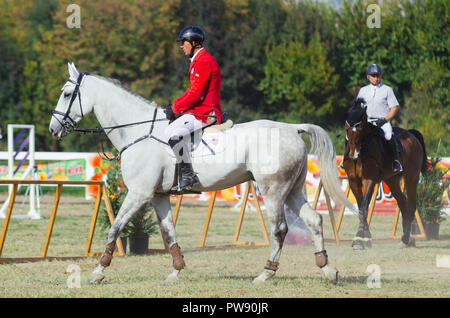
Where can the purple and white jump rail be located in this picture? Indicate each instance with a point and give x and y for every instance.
(24, 140)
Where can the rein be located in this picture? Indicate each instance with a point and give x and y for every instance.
(365, 144)
(100, 130)
(70, 124)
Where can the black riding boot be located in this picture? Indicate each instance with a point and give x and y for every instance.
(187, 177)
(396, 165)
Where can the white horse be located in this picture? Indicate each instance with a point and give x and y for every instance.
(148, 166)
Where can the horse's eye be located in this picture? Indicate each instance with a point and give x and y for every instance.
(67, 95)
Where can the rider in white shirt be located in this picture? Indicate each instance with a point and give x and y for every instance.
(382, 106)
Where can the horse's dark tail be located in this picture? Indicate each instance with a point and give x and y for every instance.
(418, 135)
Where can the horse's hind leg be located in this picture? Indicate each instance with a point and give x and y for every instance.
(278, 231)
(407, 207)
(299, 205)
(411, 190)
(161, 203)
(132, 203)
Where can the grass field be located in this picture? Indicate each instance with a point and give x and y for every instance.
(216, 271)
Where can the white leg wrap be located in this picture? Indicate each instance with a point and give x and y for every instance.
(97, 275)
(173, 277)
(265, 275)
(331, 273)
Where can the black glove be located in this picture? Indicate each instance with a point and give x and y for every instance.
(170, 115)
(380, 122)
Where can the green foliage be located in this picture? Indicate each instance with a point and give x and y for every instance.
(287, 60)
(430, 188)
(300, 83)
(143, 223)
(427, 107)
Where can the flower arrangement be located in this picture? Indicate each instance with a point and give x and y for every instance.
(430, 189)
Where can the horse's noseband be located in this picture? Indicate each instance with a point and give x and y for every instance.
(67, 122)
(353, 128)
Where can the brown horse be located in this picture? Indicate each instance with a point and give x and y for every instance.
(367, 161)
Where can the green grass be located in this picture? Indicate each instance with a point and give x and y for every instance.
(220, 272)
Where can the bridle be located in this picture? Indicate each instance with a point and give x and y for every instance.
(67, 122)
(362, 143)
(353, 128)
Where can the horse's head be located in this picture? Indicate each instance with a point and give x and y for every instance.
(71, 107)
(356, 127)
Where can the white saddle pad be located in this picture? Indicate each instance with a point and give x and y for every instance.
(211, 144)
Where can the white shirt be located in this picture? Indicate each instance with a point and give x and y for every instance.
(379, 99)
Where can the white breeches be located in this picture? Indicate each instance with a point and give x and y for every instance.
(387, 129)
(181, 129)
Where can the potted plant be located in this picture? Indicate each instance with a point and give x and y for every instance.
(140, 227)
(430, 189)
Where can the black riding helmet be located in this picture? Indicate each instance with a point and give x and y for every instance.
(192, 34)
(373, 69)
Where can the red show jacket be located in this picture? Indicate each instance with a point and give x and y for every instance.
(204, 94)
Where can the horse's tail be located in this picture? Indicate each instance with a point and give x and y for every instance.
(419, 136)
(323, 148)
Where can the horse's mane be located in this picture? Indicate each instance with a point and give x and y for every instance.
(119, 84)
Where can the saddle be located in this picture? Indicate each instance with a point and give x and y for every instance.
(212, 127)
(378, 135)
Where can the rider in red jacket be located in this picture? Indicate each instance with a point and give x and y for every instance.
(194, 109)
(204, 94)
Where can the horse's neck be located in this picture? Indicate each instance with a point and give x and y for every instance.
(116, 106)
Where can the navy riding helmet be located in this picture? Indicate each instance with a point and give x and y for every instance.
(373, 69)
(192, 33)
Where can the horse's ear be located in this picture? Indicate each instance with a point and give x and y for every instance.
(360, 102)
(73, 72)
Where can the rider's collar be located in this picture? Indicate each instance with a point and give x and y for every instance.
(196, 54)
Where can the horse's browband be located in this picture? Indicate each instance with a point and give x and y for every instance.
(354, 125)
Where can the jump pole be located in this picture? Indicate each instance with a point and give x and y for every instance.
(101, 194)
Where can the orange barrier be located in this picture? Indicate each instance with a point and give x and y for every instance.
(337, 225)
(250, 187)
(101, 194)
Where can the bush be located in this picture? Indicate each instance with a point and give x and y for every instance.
(430, 188)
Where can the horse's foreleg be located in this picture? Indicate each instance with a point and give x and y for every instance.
(161, 203)
(132, 203)
(278, 231)
(363, 238)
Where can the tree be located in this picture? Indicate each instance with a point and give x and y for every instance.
(300, 83)
(124, 40)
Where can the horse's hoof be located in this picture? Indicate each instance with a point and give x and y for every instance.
(367, 244)
(358, 245)
(263, 277)
(173, 277)
(331, 273)
(258, 281)
(97, 276)
(411, 243)
(402, 245)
